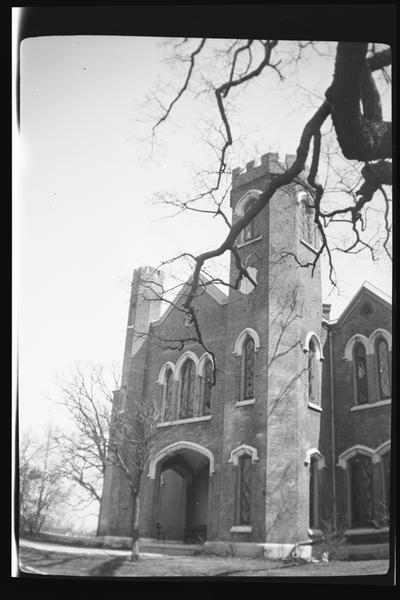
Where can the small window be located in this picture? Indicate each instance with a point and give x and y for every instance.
(361, 491)
(187, 383)
(383, 364)
(243, 496)
(247, 370)
(360, 372)
(207, 385)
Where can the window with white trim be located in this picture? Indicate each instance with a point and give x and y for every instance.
(187, 387)
(243, 489)
(361, 491)
(247, 369)
(313, 350)
(314, 492)
(252, 229)
(168, 394)
(206, 387)
(360, 373)
(383, 368)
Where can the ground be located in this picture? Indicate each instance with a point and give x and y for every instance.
(48, 559)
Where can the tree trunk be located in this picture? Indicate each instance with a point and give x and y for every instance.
(135, 553)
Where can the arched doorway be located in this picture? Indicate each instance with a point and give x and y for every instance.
(182, 507)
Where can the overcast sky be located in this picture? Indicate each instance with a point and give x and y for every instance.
(83, 212)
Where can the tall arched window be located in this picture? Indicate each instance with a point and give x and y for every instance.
(206, 388)
(167, 394)
(307, 227)
(187, 382)
(383, 365)
(247, 369)
(312, 373)
(243, 495)
(252, 229)
(360, 366)
(314, 493)
(361, 490)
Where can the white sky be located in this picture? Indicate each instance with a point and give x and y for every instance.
(83, 217)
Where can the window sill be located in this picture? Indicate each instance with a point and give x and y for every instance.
(366, 530)
(257, 239)
(245, 402)
(315, 533)
(183, 421)
(241, 529)
(315, 407)
(367, 405)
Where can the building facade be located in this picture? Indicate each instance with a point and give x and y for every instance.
(282, 427)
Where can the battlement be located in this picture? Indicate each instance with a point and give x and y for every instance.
(149, 274)
(270, 163)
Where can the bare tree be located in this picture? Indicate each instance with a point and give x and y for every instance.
(104, 434)
(83, 447)
(134, 427)
(40, 486)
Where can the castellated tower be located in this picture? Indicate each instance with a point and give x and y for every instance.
(280, 418)
(144, 308)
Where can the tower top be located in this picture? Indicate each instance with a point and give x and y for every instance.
(270, 163)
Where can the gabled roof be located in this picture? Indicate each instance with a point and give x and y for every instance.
(211, 289)
(368, 288)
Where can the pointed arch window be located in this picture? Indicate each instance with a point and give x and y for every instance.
(187, 383)
(247, 369)
(314, 493)
(361, 490)
(252, 229)
(206, 388)
(243, 495)
(360, 366)
(383, 366)
(167, 394)
(307, 227)
(312, 373)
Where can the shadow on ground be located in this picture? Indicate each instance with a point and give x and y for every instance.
(108, 567)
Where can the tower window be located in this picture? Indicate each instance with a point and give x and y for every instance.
(247, 370)
(307, 227)
(252, 229)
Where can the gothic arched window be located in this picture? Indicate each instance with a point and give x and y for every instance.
(167, 394)
(206, 388)
(247, 369)
(312, 373)
(243, 495)
(360, 367)
(252, 229)
(382, 358)
(313, 517)
(307, 228)
(187, 382)
(361, 491)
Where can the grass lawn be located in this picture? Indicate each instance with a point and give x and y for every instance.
(117, 564)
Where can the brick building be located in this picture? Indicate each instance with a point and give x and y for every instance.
(295, 433)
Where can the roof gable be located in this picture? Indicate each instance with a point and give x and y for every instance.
(211, 289)
(366, 291)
